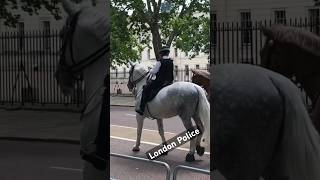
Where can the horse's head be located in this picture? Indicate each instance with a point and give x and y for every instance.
(85, 40)
(274, 55)
(137, 73)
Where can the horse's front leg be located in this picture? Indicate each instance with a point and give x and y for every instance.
(139, 132)
(161, 132)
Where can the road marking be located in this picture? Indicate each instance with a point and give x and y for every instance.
(66, 169)
(149, 143)
(151, 130)
(131, 115)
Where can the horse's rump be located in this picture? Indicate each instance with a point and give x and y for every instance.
(247, 115)
(261, 126)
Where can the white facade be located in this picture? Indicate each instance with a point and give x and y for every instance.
(180, 59)
(230, 10)
(36, 21)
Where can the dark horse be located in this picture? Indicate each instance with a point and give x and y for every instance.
(202, 78)
(261, 127)
(295, 52)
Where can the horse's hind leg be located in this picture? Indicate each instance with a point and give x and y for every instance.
(188, 125)
(139, 132)
(161, 132)
(199, 148)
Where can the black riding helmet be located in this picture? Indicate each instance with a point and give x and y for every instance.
(165, 50)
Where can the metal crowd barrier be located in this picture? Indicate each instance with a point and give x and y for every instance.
(180, 167)
(167, 167)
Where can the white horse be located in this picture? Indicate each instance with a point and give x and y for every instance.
(86, 51)
(183, 99)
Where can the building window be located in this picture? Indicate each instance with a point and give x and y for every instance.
(214, 29)
(176, 70)
(246, 28)
(314, 20)
(46, 34)
(175, 52)
(21, 35)
(187, 70)
(197, 66)
(280, 17)
(148, 54)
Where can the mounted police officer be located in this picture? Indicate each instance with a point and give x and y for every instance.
(162, 75)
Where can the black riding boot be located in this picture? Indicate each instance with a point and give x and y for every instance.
(142, 105)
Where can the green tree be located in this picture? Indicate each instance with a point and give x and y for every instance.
(124, 44)
(185, 24)
(10, 16)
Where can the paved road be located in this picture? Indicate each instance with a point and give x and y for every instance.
(123, 134)
(39, 161)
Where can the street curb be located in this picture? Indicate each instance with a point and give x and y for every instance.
(46, 140)
(120, 105)
(71, 110)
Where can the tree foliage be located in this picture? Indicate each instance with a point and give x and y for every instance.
(124, 44)
(185, 25)
(9, 13)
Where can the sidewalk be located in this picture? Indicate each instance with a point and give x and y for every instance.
(40, 126)
(48, 126)
(122, 100)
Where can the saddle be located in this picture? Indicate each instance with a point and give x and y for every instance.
(155, 91)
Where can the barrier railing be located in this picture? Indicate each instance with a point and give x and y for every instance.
(169, 176)
(193, 169)
(165, 165)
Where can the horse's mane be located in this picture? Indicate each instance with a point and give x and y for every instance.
(203, 73)
(97, 22)
(298, 37)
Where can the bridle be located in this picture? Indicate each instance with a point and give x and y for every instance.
(67, 38)
(303, 78)
(132, 83)
(268, 47)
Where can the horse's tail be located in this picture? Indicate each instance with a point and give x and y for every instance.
(300, 142)
(203, 112)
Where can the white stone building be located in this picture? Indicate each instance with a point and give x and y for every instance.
(278, 10)
(237, 37)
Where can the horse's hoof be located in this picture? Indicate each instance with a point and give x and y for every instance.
(135, 149)
(200, 150)
(190, 158)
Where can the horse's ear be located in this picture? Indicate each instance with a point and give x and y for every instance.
(69, 7)
(266, 31)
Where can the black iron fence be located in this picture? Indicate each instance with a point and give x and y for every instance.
(236, 42)
(27, 64)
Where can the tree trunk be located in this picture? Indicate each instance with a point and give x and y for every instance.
(156, 40)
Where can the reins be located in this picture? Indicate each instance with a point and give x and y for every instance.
(87, 61)
(135, 82)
